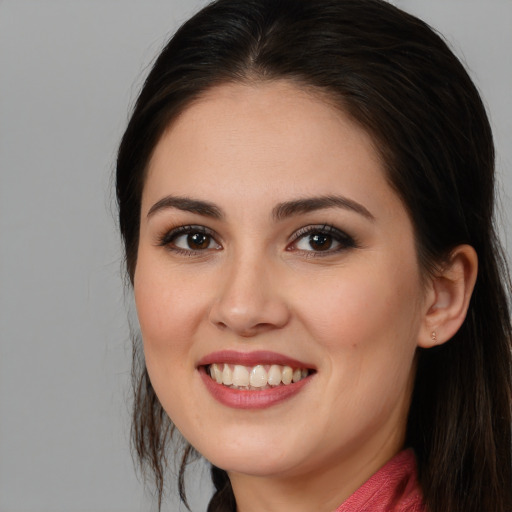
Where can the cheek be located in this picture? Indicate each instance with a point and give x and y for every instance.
(362, 308)
(367, 325)
(168, 310)
(168, 318)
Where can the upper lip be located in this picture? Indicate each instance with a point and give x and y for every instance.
(251, 359)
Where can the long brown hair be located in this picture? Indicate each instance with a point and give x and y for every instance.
(398, 79)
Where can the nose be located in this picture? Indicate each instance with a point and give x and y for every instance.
(249, 301)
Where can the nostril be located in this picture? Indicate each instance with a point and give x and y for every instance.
(249, 314)
(261, 327)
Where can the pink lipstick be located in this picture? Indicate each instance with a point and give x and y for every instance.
(253, 380)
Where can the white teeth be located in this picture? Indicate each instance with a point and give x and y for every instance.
(287, 375)
(240, 375)
(217, 374)
(274, 375)
(258, 378)
(227, 375)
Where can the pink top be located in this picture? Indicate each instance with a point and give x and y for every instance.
(394, 488)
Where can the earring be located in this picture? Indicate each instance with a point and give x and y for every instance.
(433, 336)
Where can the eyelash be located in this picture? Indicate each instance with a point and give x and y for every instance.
(344, 240)
(167, 239)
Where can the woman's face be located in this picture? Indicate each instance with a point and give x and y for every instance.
(272, 248)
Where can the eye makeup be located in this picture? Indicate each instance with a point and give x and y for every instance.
(189, 240)
(321, 240)
(316, 240)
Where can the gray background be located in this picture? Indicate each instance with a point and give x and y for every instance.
(69, 71)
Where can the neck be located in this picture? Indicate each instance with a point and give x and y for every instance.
(322, 490)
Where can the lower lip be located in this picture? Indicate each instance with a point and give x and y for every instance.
(243, 399)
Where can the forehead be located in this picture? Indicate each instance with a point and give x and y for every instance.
(270, 130)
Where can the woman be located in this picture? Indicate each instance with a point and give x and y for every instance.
(305, 196)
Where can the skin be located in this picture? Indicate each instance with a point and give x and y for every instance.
(355, 312)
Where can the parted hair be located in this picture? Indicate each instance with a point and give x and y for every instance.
(397, 78)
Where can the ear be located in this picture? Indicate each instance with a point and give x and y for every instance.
(448, 296)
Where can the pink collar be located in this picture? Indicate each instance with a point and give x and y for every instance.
(394, 488)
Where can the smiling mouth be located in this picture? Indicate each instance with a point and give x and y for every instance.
(255, 378)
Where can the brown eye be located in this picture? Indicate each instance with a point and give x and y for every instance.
(198, 241)
(190, 239)
(317, 242)
(321, 239)
(194, 241)
(320, 242)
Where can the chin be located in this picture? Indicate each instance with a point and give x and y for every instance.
(255, 464)
(252, 454)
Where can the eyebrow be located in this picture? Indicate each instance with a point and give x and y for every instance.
(279, 212)
(310, 204)
(187, 204)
